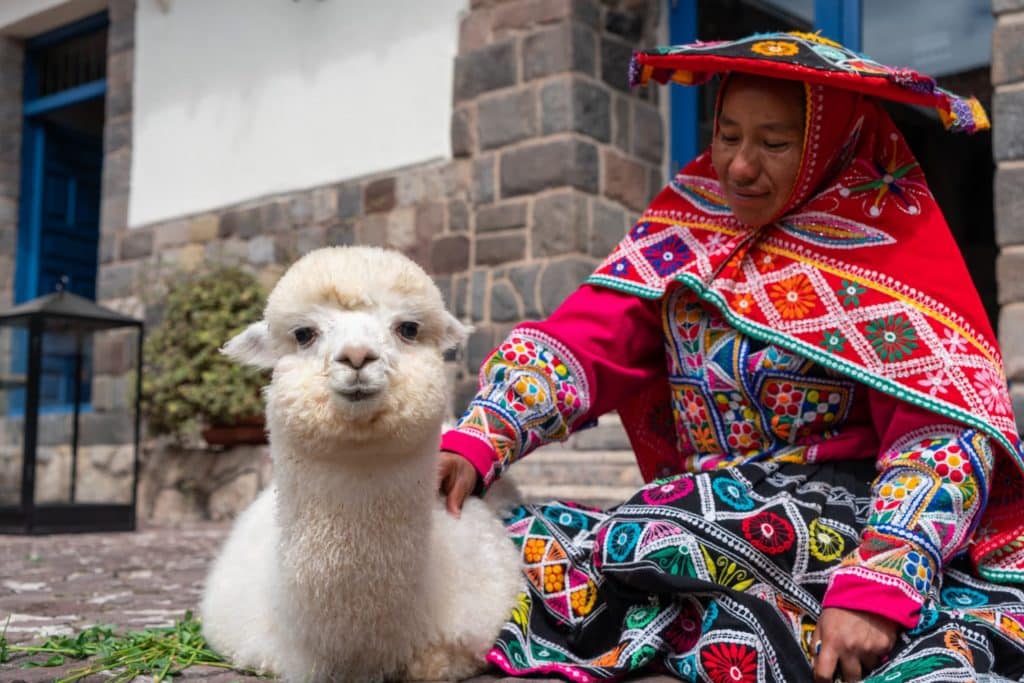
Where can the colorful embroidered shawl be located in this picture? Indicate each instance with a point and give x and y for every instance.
(860, 274)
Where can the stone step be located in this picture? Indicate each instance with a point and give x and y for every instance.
(607, 435)
(599, 478)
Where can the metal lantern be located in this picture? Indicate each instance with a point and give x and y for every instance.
(70, 375)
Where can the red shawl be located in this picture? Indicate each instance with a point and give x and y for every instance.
(860, 273)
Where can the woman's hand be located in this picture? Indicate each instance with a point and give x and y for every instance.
(456, 478)
(852, 643)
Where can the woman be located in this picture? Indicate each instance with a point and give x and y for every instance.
(795, 346)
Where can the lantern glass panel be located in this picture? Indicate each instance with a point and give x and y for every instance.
(13, 344)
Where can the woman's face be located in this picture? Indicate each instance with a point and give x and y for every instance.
(757, 147)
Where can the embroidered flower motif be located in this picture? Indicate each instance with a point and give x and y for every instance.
(533, 550)
(963, 597)
(743, 303)
(703, 438)
(851, 292)
(936, 382)
(764, 262)
(729, 663)
(743, 438)
(917, 571)
(955, 641)
(775, 48)
(825, 543)
(992, 390)
(893, 337)
(730, 492)
(833, 341)
(888, 180)
(892, 493)
(768, 532)
(621, 268)
(582, 599)
(794, 297)
(667, 255)
(668, 490)
(953, 342)
(950, 463)
(716, 242)
(621, 540)
(554, 578)
(640, 230)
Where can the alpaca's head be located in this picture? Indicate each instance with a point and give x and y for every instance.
(355, 337)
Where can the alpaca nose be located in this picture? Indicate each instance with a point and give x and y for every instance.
(356, 356)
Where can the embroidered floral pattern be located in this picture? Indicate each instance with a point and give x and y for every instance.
(825, 544)
(851, 293)
(729, 663)
(794, 297)
(666, 255)
(769, 533)
(893, 337)
(775, 48)
(834, 341)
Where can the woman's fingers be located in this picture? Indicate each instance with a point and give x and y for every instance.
(825, 663)
(456, 479)
(851, 668)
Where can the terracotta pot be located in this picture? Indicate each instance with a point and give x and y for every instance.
(246, 431)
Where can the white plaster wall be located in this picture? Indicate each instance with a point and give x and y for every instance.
(236, 99)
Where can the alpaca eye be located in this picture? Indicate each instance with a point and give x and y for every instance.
(304, 335)
(408, 330)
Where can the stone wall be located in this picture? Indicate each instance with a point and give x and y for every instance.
(1008, 148)
(11, 76)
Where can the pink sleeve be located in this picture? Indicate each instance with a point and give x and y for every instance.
(549, 378)
(932, 484)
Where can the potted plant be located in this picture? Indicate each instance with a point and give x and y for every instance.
(188, 387)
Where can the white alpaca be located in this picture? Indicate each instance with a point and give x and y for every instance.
(348, 568)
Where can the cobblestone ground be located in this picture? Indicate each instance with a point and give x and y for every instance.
(62, 584)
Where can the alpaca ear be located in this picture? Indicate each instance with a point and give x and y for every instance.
(454, 334)
(253, 346)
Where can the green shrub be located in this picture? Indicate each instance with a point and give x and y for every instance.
(187, 384)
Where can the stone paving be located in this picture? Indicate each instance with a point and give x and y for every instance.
(63, 583)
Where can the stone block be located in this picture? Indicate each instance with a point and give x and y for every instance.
(460, 283)
(121, 33)
(544, 165)
(228, 500)
(429, 220)
(608, 225)
(477, 294)
(483, 180)
(1017, 398)
(625, 180)
(1011, 340)
(241, 223)
(350, 200)
(1008, 123)
(203, 228)
(449, 254)
(108, 247)
(559, 224)
(117, 280)
(566, 47)
(114, 354)
(120, 67)
(325, 204)
(401, 228)
(648, 133)
(1009, 204)
(1008, 50)
(615, 58)
(308, 239)
(275, 216)
(474, 31)
(262, 250)
(559, 279)
(570, 104)
(627, 25)
(300, 209)
(372, 230)
(479, 347)
(495, 249)
(136, 243)
(505, 306)
(340, 233)
(117, 169)
(114, 212)
(506, 118)
(1009, 267)
(501, 216)
(524, 279)
(486, 69)
(170, 234)
(1001, 6)
(458, 216)
(117, 134)
(379, 195)
(462, 132)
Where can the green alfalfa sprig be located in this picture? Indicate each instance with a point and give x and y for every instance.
(157, 652)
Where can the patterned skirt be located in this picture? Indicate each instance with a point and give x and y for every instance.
(719, 577)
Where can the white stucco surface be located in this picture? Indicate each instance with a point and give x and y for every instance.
(237, 99)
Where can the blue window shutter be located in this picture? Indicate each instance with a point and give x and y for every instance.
(683, 100)
(839, 20)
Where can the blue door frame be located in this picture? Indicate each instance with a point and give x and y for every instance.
(839, 20)
(30, 248)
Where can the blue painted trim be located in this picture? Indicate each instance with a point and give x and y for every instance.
(65, 98)
(26, 276)
(840, 20)
(684, 134)
(93, 22)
